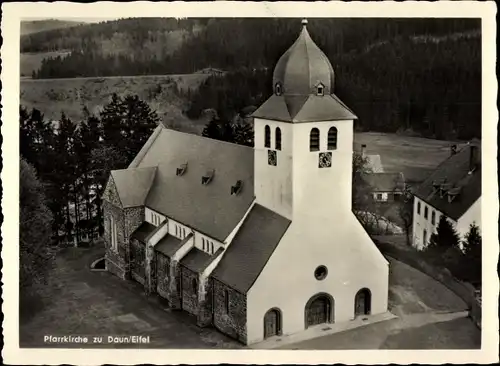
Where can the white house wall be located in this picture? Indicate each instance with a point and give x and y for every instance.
(198, 243)
(420, 223)
(473, 214)
(316, 189)
(273, 184)
(182, 230)
(153, 217)
(338, 242)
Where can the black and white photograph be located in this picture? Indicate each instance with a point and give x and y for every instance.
(251, 180)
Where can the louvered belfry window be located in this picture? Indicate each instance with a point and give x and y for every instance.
(278, 138)
(267, 136)
(314, 140)
(332, 138)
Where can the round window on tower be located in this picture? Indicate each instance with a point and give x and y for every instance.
(320, 273)
(277, 89)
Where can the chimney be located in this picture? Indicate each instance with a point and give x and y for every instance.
(453, 149)
(473, 157)
(363, 150)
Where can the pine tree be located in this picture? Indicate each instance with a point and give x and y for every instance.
(472, 245)
(243, 133)
(127, 123)
(445, 236)
(35, 221)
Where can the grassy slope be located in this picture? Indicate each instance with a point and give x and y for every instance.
(416, 157)
(53, 96)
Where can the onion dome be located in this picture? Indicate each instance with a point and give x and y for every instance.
(303, 83)
(304, 68)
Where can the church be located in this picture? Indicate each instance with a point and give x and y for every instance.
(256, 242)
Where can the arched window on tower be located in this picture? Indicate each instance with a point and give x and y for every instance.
(267, 136)
(314, 140)
(278, 138)
(277, 89)
(332, 138)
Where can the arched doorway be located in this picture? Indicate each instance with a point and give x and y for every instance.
(272, 323)
(363, 302)
(319, 310)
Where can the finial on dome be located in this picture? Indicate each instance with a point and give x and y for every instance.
(304, 22)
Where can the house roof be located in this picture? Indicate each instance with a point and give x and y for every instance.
(251, 248)
(454, 171)
(374, 162)
(143, 232)
(385, 182)
(197, 260)
(168, 245)
(209, 209)
(133, 185)
(304, 108)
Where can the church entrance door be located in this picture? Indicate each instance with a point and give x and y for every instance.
(272, 323)
(318, 310)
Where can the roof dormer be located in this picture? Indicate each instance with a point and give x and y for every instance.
(236, 189)
(208, 177)
(453, 193)
(181, 170)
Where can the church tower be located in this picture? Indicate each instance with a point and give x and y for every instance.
(304, 137)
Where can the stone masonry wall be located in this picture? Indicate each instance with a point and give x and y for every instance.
(116, 261)
(162, 275)
(189, 292)
(205, 303)
(174, 285)
(230, 321)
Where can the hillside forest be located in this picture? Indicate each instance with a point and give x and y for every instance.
(414, 76)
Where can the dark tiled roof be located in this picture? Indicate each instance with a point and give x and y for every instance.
(168, 245)
(455, 170)
(251, 248)
(143, 232)
(385, 182)
(310, 108)
(210, 209)
(133, 185)
(196, 260)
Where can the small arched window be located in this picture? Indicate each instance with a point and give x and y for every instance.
(194, 285)
(267, 136)
(278, 138)
(418, 208)
(277, 89)
(314, 140)
(332, 138)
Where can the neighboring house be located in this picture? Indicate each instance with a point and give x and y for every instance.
(454, 190)
(386, 187)
(373, 161)
(212, 71)
(257, 242)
